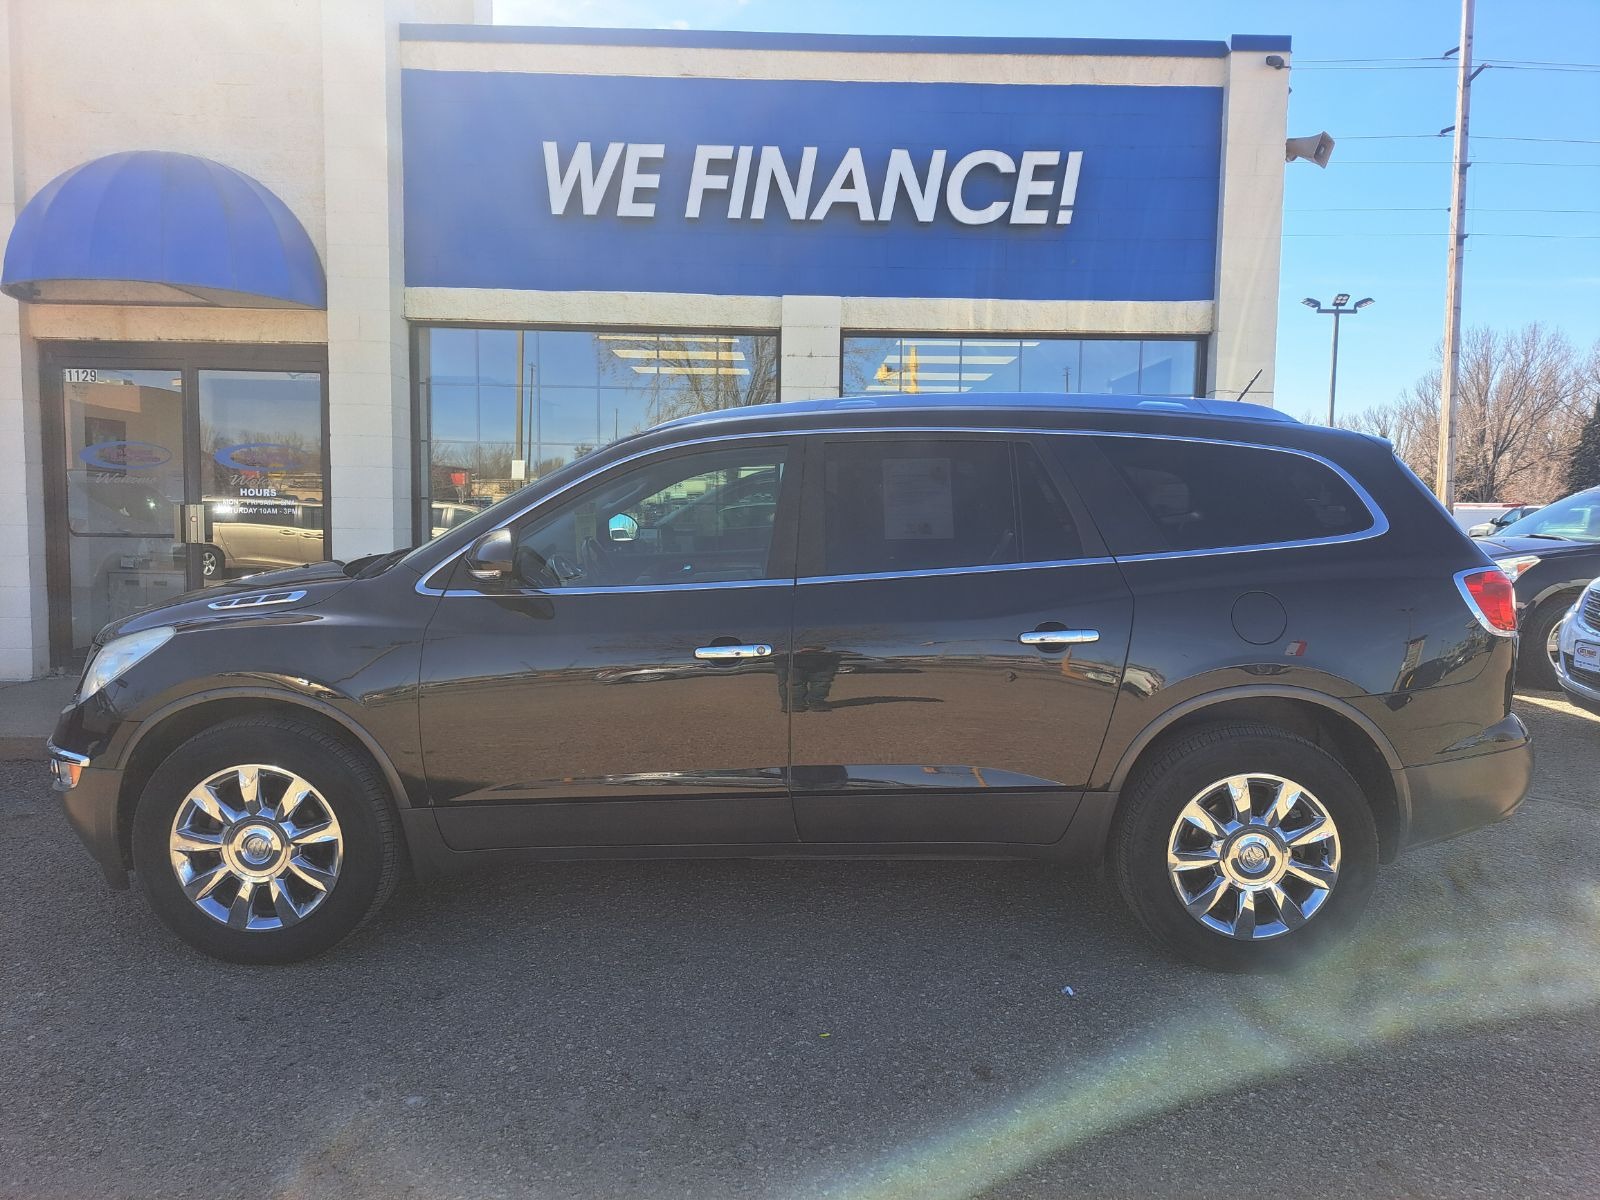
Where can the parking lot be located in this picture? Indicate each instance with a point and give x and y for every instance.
(860, 1030)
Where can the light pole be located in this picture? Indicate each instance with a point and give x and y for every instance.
(1341, 307)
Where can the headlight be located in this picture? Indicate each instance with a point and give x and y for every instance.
(117, 655)
(1514, 567)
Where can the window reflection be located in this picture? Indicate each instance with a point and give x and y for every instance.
(501, 407)
(261, 471)
(1128, 366)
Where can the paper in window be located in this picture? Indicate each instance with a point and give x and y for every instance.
(918, 500)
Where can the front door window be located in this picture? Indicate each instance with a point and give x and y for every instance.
(695, 518)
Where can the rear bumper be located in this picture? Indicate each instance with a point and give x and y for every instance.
(91, 805)
(1448, 798)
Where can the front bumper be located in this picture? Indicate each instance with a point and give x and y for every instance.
(91, 804)
(1452, 797)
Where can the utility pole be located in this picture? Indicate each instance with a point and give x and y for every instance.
(1450, 375)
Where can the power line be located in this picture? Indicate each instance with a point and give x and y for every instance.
(1560, 237)
(1484, 137)
(1443, 208)
(1437, 65)
(1440, 162)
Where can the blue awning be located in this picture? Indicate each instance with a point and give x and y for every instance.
(154, 227)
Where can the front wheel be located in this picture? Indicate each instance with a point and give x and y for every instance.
(265, 840)
(1244, 847)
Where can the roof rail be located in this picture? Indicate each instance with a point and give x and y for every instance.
(977, 401)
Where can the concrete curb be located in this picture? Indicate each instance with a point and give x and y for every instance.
(30, 749)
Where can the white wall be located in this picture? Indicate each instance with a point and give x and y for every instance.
(1250, 228)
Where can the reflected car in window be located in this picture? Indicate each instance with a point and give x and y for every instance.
(247, 535)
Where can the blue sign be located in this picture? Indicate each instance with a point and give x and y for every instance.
(777, 187)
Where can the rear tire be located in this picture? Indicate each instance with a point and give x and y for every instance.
(1535, 667)
(1180, 812)
(266, 840)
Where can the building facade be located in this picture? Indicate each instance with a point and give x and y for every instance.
(322, 277)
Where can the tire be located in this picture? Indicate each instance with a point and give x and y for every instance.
(1188, 770)
(1535, 668)
(341, 833)
(212, 563)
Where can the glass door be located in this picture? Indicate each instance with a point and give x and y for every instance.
(261, 472)
(180, 476)
(125, 485)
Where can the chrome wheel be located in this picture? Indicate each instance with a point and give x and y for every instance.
(1552, 644)
(1253, 856)
(256, 847)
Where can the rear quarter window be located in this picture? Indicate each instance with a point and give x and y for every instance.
(1213, 496)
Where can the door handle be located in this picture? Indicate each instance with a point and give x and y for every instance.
(1058, 637)
(717, 653)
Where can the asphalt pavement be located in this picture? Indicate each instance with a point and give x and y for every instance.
(864, 1030)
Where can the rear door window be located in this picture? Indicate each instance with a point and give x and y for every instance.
(913, 504)
(1215, 496)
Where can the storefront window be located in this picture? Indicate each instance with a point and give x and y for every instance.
(1126, 366)
(501, 407)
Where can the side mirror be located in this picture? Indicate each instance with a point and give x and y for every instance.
(622, 528)
(490, 559)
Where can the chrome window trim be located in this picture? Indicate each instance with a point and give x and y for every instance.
(981, 569)
(608, 591)
(1379, 526)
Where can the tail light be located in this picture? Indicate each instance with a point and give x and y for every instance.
(1492, 599)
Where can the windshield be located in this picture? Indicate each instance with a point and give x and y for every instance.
(1576, 518)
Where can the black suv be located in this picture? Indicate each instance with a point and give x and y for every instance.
(1238, 660)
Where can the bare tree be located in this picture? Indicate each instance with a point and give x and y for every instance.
(1522, 403)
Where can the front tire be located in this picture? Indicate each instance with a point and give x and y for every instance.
(265, 840)
(1243, 847)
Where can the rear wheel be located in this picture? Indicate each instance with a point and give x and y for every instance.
(1244, 847)
(265, 840)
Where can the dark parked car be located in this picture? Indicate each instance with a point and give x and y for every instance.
(1239, 660)
(1550, 556)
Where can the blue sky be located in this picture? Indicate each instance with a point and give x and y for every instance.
(1374, 223)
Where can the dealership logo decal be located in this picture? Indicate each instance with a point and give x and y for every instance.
(260, 458)
(1039, 187)
(125, 456)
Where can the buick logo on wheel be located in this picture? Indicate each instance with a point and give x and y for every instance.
(1253, 856)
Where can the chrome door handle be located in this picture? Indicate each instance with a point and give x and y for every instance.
(1058, 637)
(723, 652)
